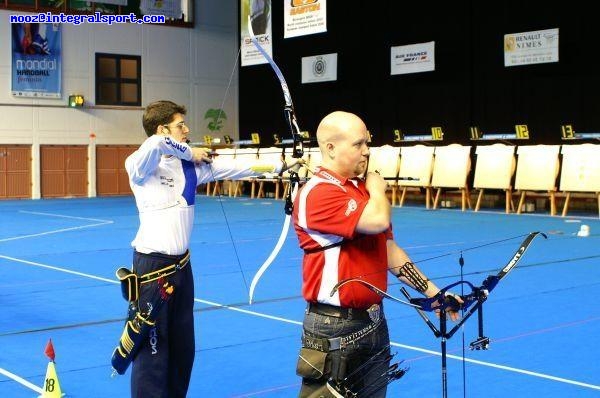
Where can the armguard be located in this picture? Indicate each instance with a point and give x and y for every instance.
(410, 273)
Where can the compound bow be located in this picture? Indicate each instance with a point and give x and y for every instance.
(442, 301)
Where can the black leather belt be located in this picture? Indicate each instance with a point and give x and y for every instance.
(339, 312)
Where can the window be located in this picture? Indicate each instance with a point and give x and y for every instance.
(118, 79)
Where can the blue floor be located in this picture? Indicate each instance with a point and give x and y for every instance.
(57, 281)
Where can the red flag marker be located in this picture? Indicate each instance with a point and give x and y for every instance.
(51, 387)
(49, 351)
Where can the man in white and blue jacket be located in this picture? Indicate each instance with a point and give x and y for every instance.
(163, 174)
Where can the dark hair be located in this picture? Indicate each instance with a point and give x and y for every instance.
(159, 113)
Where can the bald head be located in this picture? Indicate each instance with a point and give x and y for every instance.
(337, 125)
(342, 138)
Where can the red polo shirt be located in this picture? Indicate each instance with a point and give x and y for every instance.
(327, 210)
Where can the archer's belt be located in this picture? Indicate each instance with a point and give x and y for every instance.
(325, 344)
(130, 281)
(165, 271)
(373, 313)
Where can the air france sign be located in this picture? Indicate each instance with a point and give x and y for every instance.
(412, 58)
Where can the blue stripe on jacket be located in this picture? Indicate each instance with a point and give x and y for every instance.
(191, 181)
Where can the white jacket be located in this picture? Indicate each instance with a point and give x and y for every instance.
(164, 180)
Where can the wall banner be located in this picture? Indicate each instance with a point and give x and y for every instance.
(536, 47)
(36, 60)
(304, 17)
(168, 8)
(260, 18)
(413, 58)
(320, 68)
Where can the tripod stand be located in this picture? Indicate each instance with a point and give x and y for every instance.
(472, 301)
(442, 302)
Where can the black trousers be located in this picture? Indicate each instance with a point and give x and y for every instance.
(163, 367)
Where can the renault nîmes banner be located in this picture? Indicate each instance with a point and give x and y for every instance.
(536, 47)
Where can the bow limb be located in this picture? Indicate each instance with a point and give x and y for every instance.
(269, 260)
(290, 116)
(478, 294)
(274, 253)
(373, 288)
(438, 301)
(491, 281)
(284, 86)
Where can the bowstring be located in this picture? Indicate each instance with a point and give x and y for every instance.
(221, 112)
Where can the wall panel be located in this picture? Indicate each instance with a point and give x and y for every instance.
(111, 178)
(15, 172)
(63, 171)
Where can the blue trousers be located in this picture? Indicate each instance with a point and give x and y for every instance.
(352, 356)
(163, 367)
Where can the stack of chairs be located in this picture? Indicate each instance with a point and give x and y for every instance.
(537, 170)
(269, 155)
(450, 171)
(385, 160)
(526, 170)
(494, 169)
(580, 172)
(416, 163)
(245, 156)
(219, 187)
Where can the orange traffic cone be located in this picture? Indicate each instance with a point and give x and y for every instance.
(51, 387)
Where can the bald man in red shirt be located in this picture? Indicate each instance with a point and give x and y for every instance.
(342, 220)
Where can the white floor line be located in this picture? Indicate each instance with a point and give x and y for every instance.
(98, 223)
(65, 216)
(281, 319)
(21, 380)
(67, 271)
(248, 312)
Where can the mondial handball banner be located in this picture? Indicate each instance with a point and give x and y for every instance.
(36, 60)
